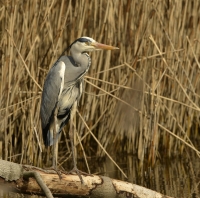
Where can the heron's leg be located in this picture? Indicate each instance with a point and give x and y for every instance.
(75, 169)
(71, 136)
(71, 133)
(55, 142)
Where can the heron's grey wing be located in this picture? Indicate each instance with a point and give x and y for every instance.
(50, 96)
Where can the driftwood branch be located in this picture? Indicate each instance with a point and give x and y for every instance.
(43, 186)
(33, 180)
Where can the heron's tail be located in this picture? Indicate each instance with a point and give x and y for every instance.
(48, 135)
(49, 139)
(48, 131)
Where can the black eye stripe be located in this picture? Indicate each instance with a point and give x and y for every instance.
(82, 40)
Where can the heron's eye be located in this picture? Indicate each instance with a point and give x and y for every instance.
(88, 43)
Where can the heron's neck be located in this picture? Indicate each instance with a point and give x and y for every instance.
(89, 60)
(83, 60)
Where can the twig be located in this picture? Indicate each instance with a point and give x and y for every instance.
(101, 145)
(192, 147)
(113, 96)
(36, 134)
(79, 141)
(36, 175)
(152, 39)
(26, 67)
(195, 57)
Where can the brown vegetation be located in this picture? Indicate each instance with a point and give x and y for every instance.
(143, 98)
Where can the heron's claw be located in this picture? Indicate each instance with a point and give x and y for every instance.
(78, 172)
(59, 172)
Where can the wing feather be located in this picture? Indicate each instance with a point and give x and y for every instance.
(52, 90)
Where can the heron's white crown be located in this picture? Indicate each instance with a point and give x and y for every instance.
(83, 44)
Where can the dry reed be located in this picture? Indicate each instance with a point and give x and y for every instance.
(134, 98)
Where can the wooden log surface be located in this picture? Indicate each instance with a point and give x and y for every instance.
(12, 178)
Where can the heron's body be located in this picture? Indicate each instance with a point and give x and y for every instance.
(63, 88)
(67, 92)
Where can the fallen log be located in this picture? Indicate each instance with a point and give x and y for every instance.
(32, 180)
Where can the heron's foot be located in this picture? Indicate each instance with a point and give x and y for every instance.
(54, 169)
(79, 173)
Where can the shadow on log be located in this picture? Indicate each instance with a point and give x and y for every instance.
(32, 180)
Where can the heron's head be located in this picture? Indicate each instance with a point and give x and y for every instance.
(87, 44)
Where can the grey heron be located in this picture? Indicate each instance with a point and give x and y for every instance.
(63, 88)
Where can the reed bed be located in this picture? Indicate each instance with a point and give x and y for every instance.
(141, 99)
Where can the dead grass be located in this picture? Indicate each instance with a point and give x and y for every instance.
(143, 98)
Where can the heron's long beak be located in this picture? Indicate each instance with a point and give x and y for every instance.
(100, 46)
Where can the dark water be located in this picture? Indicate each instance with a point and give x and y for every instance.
(177, 177)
